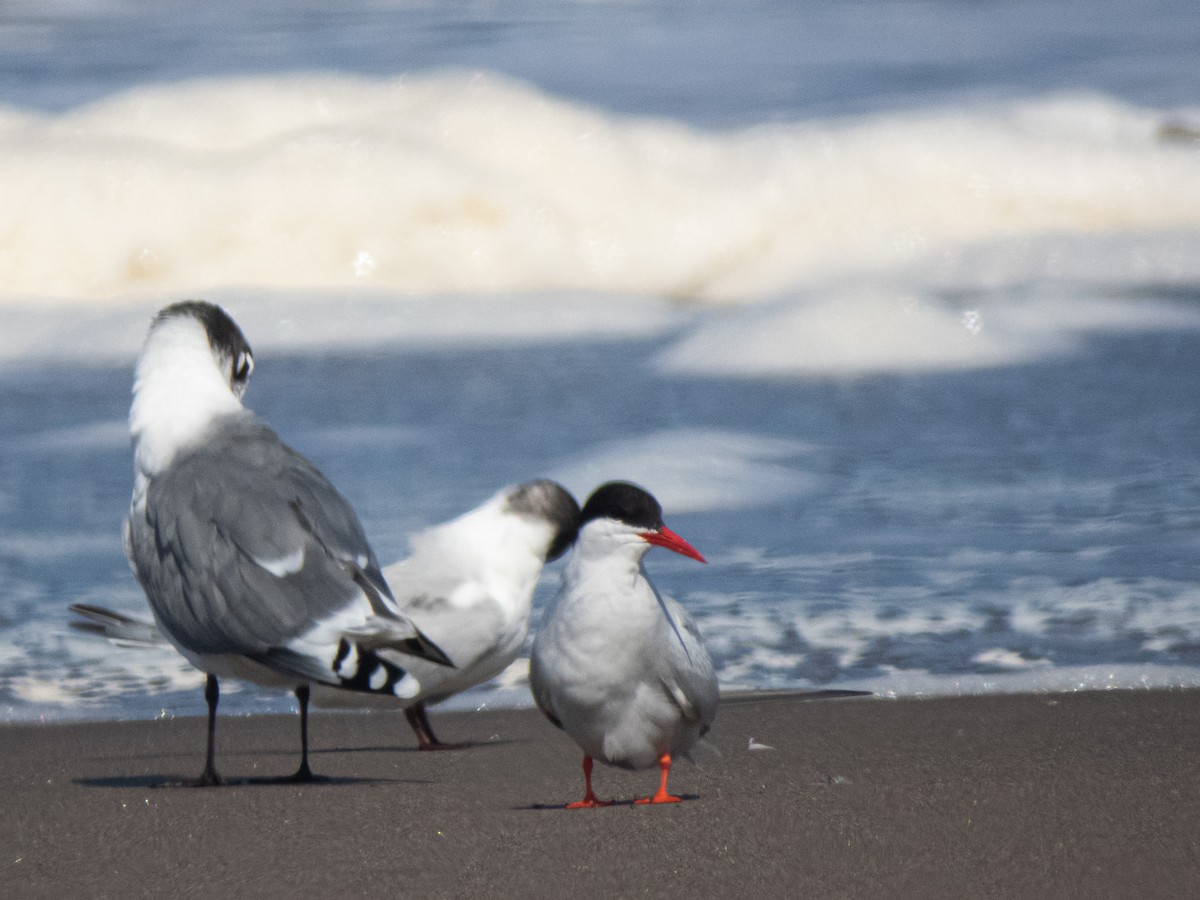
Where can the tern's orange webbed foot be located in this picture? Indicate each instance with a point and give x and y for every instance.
(661, 796)
(589, 800)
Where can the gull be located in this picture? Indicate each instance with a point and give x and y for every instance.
(468, 584)
(254, 566)
(616, 665)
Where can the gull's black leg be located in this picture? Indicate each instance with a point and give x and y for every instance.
(212, 693)
(304, 773)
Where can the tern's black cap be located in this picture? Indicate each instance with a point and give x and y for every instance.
(624, 502)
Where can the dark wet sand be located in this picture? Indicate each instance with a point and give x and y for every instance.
(1081, 795)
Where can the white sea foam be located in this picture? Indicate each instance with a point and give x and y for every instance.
(93, 436)
(341, 319)
(338, 211)
(110, 680)
(856, 331)
(691, 470)
(87, 669)
(1034, 677)
(1003, 658)
(1158, 610)
(41, 548)
(469, 182)
(984, 306)
(1038, 680)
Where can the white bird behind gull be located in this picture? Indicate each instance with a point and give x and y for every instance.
(619, 667)
(254, 566)
(469, 584)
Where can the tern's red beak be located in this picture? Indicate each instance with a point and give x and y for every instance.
(665, 537)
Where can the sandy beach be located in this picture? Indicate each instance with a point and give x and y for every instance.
(1072, 795)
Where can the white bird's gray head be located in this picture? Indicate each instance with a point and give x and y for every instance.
(622, 513)
(548, 501)
(194, 366)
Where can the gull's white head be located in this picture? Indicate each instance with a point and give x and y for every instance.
(194, 367)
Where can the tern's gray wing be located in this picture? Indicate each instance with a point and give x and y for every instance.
(540, 689)
(689, 676)
(539, 685)
(244, 546)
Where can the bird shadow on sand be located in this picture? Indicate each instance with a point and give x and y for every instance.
(737, 698)
(550, 807)
(175, 781)
(412, 748)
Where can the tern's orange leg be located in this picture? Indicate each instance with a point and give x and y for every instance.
(589, 800)
(664, 763)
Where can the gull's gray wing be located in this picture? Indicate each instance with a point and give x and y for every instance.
(244, 546)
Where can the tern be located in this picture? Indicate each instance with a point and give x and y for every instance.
(254, 566)
(616, 665)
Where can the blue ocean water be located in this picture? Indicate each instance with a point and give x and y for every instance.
(704, 61)
(893, 305)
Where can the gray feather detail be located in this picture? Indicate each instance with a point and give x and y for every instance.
(242, 496)
(662, 604)
(680, 698)
(541, 695)
(355, 668)
(119, 628)
(690, 679)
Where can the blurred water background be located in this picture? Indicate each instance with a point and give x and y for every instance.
(893, 304)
